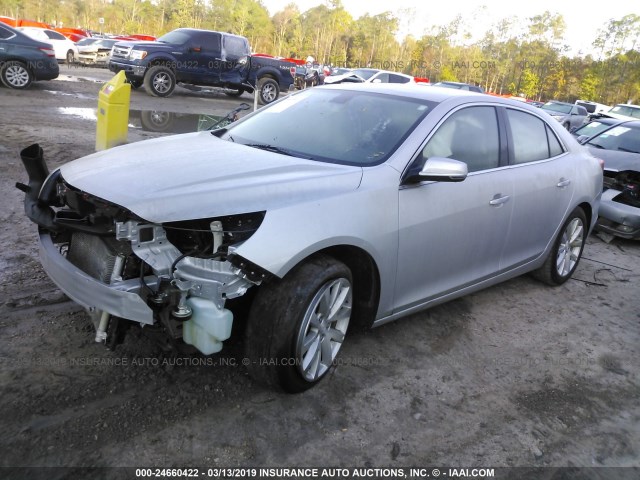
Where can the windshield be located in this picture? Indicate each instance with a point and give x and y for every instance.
(365, 73)
(87, 41)
(621, 138)
(104, 42)
(332, 125)
(626, 110)
(557, 107)
(176, 38)
(592, 128)
(448, 85)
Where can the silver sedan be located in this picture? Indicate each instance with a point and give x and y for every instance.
(335, 206)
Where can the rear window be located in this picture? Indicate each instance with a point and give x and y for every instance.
(557, 107)
(589, 107)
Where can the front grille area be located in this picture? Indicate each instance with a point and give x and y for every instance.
(121, 52)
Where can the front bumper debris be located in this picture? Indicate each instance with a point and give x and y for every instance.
(121, 299)
(618, 218)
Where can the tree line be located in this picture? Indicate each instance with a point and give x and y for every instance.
(528, 58)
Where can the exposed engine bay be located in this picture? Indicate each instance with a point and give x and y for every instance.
(172, 279)
(628, 183)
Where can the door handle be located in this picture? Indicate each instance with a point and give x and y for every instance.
(499, 200)
(563, 183)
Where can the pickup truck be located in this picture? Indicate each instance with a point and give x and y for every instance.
(201, 57)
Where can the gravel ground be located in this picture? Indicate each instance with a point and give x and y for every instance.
(517, 375)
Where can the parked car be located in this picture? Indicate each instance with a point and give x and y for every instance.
(593, 107)
(460, 86)
(619, 147)
(340, 70)
(569, 115)
(622, 111)
(201, 57)
(594, 127)
(399, 198)
(369, 75)
(23, 59)
(96, 52)
(65, 49)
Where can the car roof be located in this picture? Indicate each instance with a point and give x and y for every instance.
(561, 103)
(431, 93)
(207, 31)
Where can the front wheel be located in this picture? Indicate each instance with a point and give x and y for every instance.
(16, 75)
(268, 90)
(297, 325)
(159, 81)
(566, 252)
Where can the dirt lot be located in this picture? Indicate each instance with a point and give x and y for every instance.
(518, 375)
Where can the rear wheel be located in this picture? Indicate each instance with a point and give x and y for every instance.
(297, 326)
(268, 90)
(16, 75)
(159, 81)
(566, 252)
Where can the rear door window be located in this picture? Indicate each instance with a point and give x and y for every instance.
(235, 47)
(531, 137)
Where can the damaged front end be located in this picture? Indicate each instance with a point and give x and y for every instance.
(620, 204)
(173, 279)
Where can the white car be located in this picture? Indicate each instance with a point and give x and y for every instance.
(623, 111)
(369, 75)
(65, 49)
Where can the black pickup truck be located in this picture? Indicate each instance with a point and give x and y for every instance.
(201, 57)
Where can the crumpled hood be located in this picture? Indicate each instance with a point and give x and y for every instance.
(197, 175)
(617, 161)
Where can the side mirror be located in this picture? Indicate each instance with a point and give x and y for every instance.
(440, 169)
(376, 80)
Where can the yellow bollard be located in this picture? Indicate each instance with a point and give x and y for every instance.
(113, 113)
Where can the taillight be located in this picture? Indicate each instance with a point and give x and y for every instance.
(601, 163)
(49, 52)
(293, 71)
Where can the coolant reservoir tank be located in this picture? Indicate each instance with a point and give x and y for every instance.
(208, 327)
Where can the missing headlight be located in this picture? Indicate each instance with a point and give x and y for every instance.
(199, 237)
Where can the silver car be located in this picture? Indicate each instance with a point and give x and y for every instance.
(392, 200)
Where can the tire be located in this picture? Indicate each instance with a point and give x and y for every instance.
(156, 121)
(234, 92)
(566, 252)
(16, 75)
(70, 57)
(268, 90)
(288, 322)
(136, 83)
(159, 81)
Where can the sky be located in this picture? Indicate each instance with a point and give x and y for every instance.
(582, 19)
